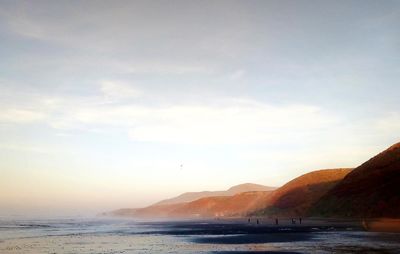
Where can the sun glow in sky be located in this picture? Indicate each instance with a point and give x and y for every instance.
(102, 101)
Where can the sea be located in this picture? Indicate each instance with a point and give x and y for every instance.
(110, 235)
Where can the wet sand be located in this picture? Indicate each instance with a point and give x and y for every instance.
(234, 236)
(242, 226)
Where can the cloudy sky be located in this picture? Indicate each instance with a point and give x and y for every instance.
(101, 102)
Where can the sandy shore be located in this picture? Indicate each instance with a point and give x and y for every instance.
(222, 236)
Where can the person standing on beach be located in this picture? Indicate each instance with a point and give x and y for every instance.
(258, 222)
(248, 221)
(276, 221)
(300, 220)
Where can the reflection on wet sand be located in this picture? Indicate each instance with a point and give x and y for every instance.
(382, 225)
(220, 237)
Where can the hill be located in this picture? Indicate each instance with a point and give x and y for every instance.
(121, 212)
(238, 205)
(192, 196)
(371, 190)
(296, 197)
(157, 211)
(204, 204)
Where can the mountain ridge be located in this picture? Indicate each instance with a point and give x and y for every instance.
(192, 196)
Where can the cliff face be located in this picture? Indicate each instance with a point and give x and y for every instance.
(297, 196)
(370, 190)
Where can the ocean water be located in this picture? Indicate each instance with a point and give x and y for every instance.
(102, 235)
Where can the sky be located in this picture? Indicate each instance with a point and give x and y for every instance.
(101, 102)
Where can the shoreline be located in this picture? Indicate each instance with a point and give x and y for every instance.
(205, 236)
(372, 225)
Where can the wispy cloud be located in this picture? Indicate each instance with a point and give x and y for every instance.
(165, 68)
(224, 121)
(244, 122)
(26, 148)
(220, 120)
(14, 115)
(115, 90)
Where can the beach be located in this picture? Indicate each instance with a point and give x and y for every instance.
(99, 235)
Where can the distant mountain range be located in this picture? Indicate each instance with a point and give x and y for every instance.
(192, 196)
(201, 204)
(371, 190)
(236, 205)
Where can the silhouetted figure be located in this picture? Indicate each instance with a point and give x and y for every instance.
(248, 220)
(276, 221)
(300, 220)
(258, 222)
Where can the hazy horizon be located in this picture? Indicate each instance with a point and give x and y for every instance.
(102, 102)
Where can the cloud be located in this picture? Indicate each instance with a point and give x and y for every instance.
(229, 121)
(26, 148)
(244, 122)
(115, 90)
(214, 121)
(18, 116)
(26, 27)
(165, 68)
